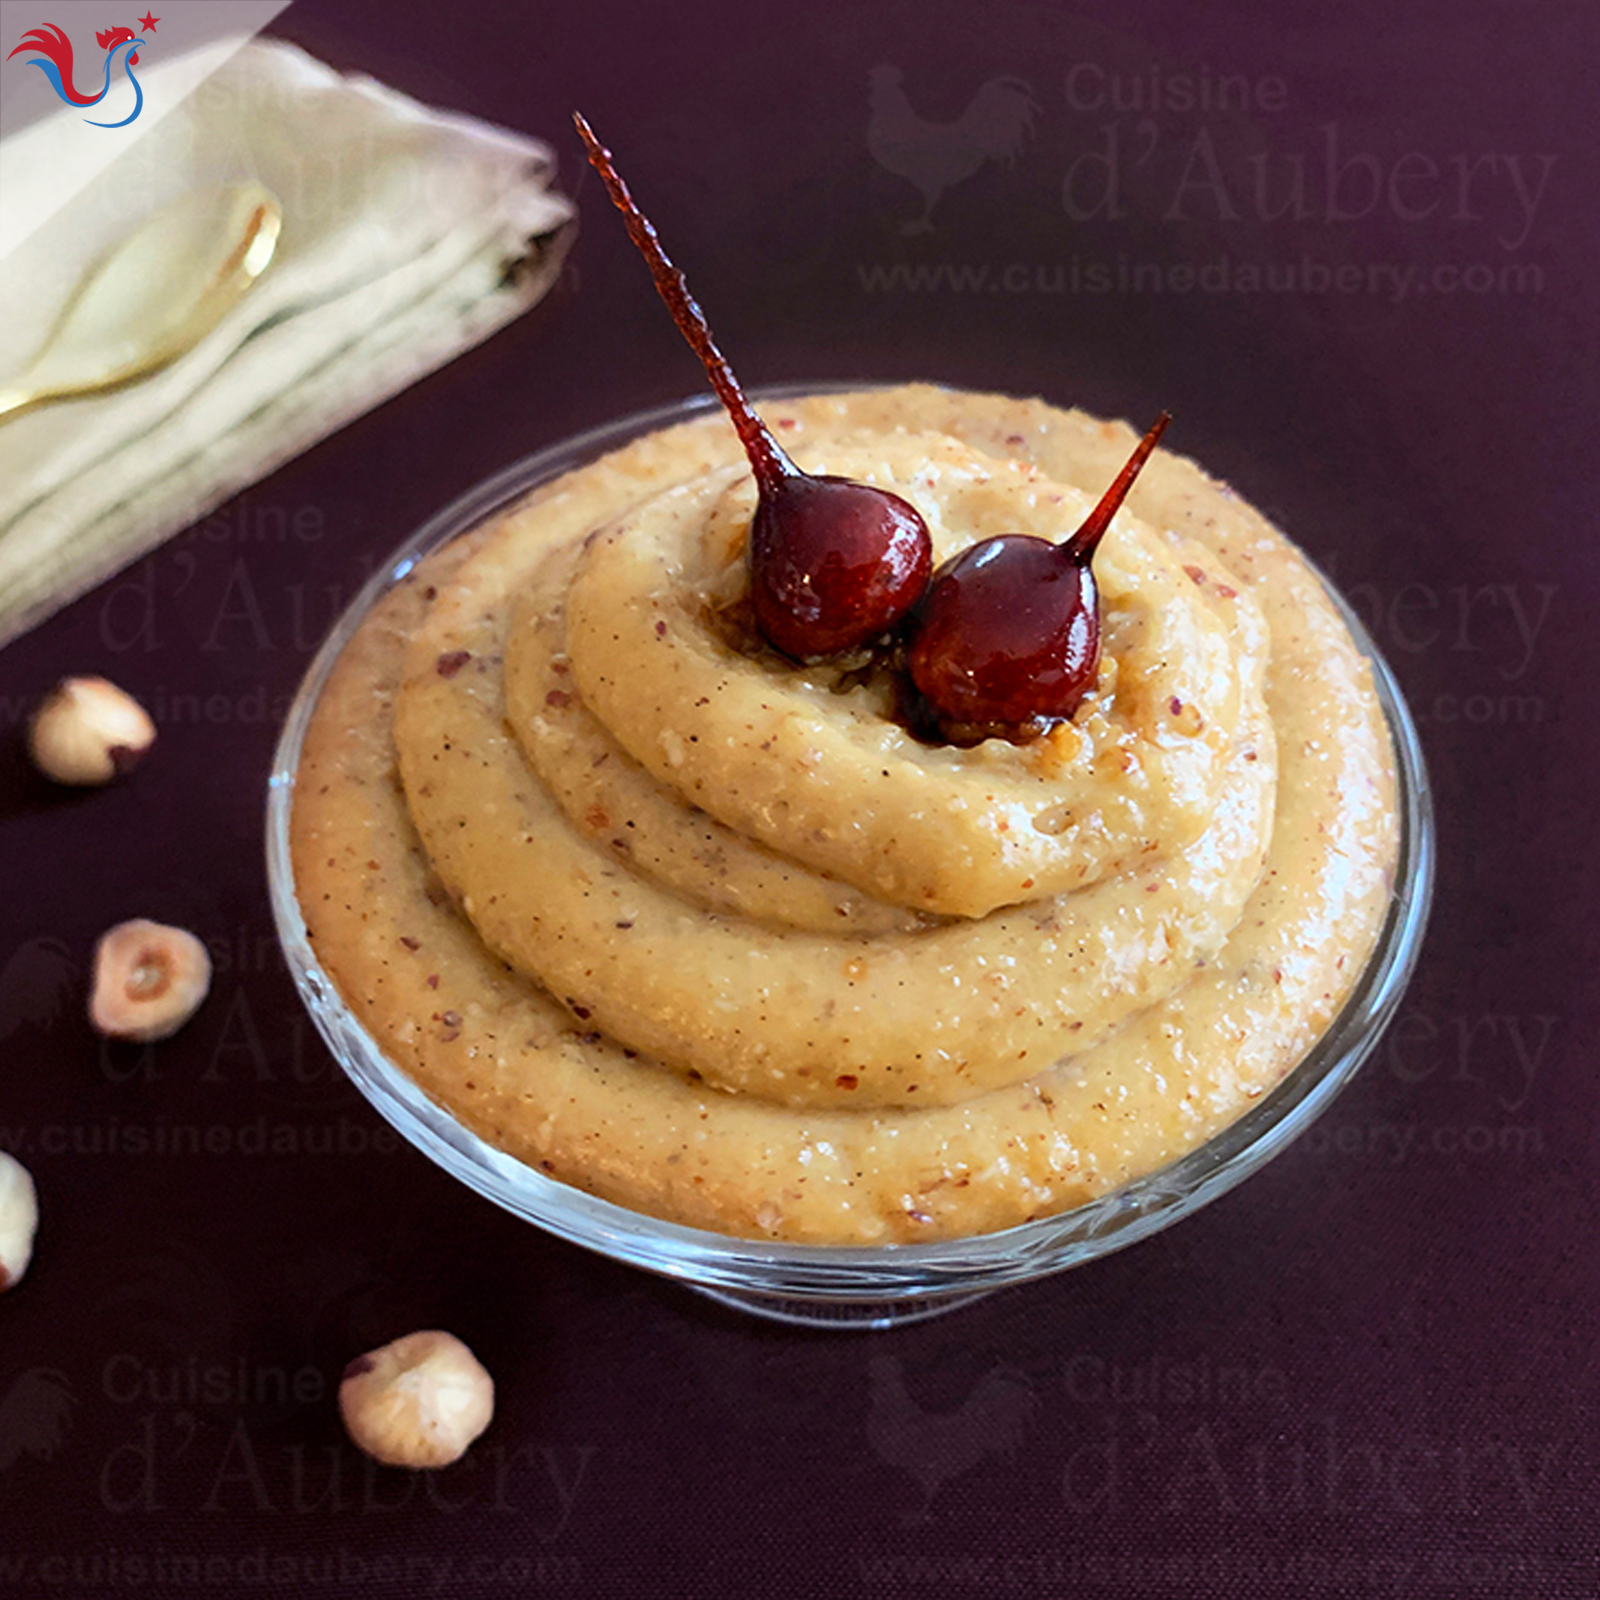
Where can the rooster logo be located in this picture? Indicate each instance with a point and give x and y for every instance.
(934, 1447)
(50, 50)
(35, 1413)
(934, 156)
(34, 984)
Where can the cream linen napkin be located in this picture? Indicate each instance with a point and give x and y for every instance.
(409, 235)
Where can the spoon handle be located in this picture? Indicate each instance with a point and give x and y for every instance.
(13, 402)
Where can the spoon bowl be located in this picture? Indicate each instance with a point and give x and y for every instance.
(153, 296)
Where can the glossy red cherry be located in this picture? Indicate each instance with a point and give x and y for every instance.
(834, 565)
(1007, 639)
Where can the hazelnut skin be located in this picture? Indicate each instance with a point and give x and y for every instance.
(149, 979)
(87, 731)
(418, 1402)
(19, 1217)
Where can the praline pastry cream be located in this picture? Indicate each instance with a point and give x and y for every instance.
(713, 936)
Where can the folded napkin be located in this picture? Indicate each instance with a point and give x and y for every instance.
(409, 235)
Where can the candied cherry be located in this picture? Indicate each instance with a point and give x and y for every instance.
(1006, 640)
(834, 565)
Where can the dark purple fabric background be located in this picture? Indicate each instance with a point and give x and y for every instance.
(1370, 1371)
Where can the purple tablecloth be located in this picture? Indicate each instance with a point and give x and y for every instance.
(1353, 251)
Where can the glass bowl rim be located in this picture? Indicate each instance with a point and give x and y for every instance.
(887, 1271)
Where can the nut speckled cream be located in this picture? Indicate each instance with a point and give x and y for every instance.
(710, 935)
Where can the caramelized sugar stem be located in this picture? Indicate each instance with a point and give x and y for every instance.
(1083, 542)
(767, 458)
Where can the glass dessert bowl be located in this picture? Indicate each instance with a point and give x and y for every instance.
(897, 1276)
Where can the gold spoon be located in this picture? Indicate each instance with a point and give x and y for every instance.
(152, 296)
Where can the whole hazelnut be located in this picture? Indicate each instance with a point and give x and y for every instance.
(19, 1217)
(418, 1402)
(87, 731)
(149, 979)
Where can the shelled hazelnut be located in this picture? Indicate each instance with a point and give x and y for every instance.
(19, 1217)
(418, 1402)
(149, 979)
(87, 731)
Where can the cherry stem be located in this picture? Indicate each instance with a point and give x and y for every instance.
(767, 457)
(1082, 544)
